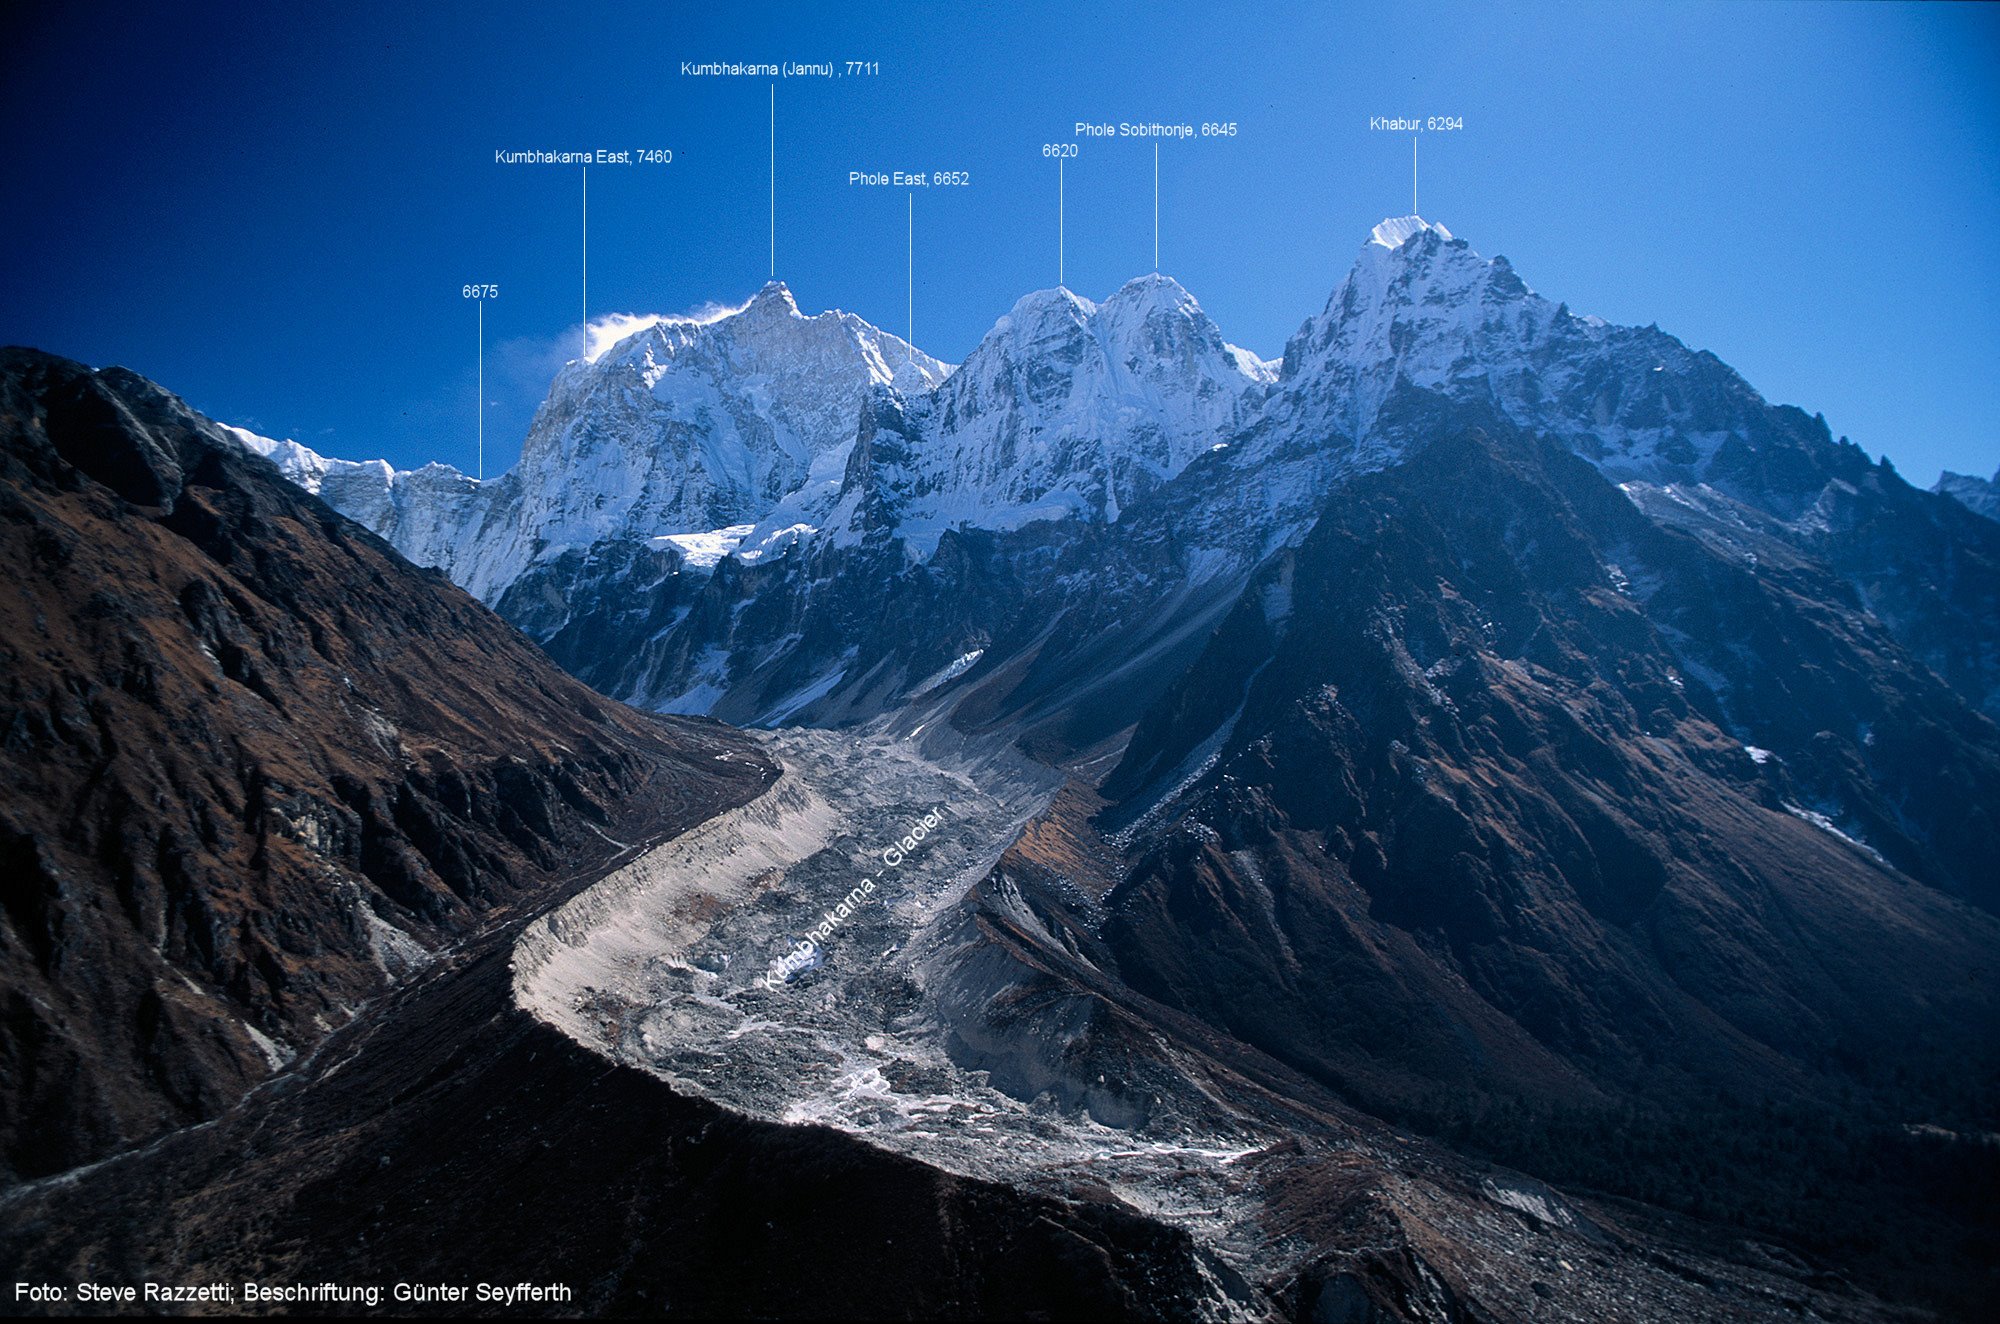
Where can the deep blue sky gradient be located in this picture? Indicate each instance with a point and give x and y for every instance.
(271, 209)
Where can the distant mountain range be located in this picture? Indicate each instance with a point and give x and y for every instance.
(1132, 428)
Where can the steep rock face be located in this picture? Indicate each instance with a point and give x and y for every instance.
(686, 427)
(1421, 307)
(1606, 833)
(257, 767)
(1066, 410)
(1497, 785)
(682, 427)
(1072, 620)
(1070, 416)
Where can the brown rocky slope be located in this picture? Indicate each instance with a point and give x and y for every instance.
(254, 767)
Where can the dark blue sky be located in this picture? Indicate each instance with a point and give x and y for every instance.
(272, 209)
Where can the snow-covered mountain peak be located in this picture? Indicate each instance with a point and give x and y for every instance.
(1152, 290)
(1422, 308)
(1148, 343)
(1423, 304)
(1153, 326)
(1396, 231)
(762, 335)
(1405, 252)
(697, 425)
(774, 300)
(1040, 313)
